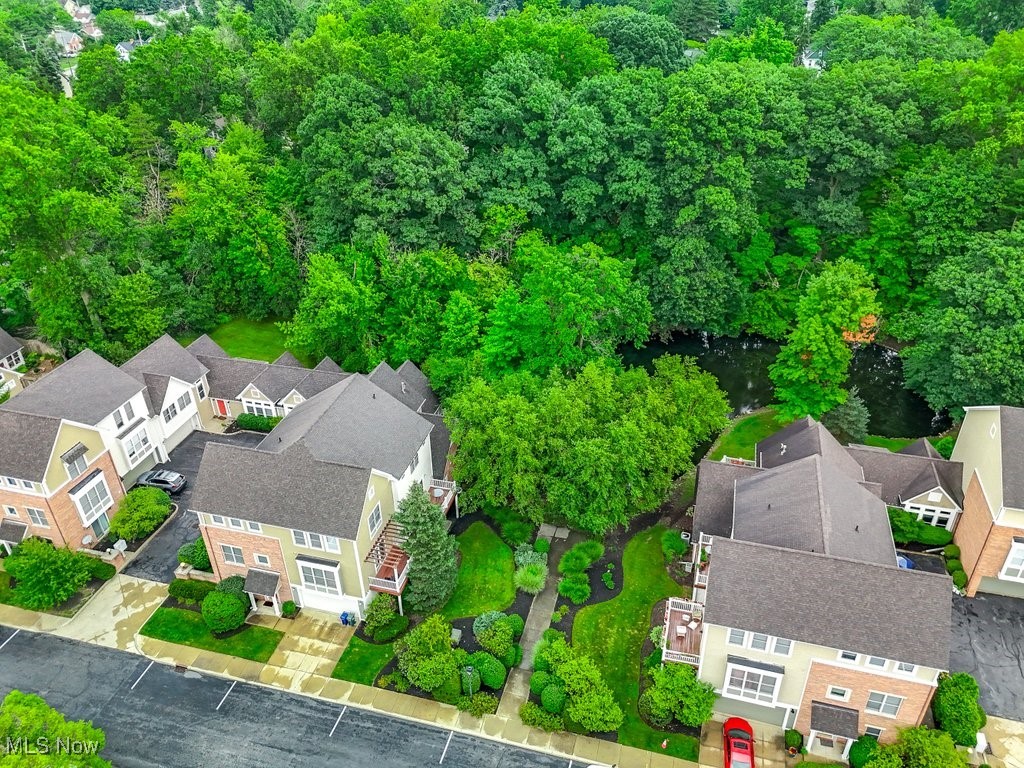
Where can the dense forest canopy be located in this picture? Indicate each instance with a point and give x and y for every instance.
(498, 189)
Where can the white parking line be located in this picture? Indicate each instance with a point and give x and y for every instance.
(141, 676)
(340, 715)
(5, 642)
(446, 744)
(570, 764)
(228, 693)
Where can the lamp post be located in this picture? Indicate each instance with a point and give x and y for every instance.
(468, 671)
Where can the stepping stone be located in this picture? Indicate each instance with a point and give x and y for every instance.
(561, 533)
(546, 531)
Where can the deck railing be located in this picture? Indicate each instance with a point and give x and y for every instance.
(395, 584)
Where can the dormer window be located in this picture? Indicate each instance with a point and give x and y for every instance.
(118, 419)
(75, 461)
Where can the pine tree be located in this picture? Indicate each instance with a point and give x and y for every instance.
(433, 569)
(696, 19)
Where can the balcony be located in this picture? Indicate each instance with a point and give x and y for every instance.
(701, 558)
(684, 627)
(738, 462)
(442, 493)
(390, 561)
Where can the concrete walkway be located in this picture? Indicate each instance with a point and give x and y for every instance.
(115, 614)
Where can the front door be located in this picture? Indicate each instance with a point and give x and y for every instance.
(222, 408)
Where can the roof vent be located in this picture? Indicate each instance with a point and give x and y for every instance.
(783, 451)
(403, 388)
(373, 395)
(856, 528)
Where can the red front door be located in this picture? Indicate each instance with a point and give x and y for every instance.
(222, 407)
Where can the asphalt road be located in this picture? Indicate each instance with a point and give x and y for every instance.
(988, 643)
(156, 717)
(160, 557)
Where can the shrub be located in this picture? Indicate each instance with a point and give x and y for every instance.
(552, 698)
(513, 657)
(959, 580)
(539, 680)
(233, 585)
(140, 513)
(516, 532)
(449, 691)
(46, 576)
(653, 714)
(956, 709)
(517, 623)
(188, 591)
(478, 705)
(379, 614)
(255, 423)
(794, 739)
(575, 587)
(425, 656)
(535, 717)
(392, 629)
(951, 551)
(531, 578)
(101, 570)
(862, 750)
(289, 609)
(492, 671)
(223, 611)
(497, 639)
(525, 555)
(952, 566)
(944, 445)
(194, 553)
(657, 635)
(608, 579)
(560, 613)
(471, 681)
(542, 545)
(581, 557)
(907, 528)
(485, 620)
(933, 536)
(678, 694)
(673, 546)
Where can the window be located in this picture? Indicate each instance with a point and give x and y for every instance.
(884, 704)
(27, 484)
(234, 522)
(201, 389)
(415, 462)
(137, 446)
(100, 526)
(232, 554)
(375, 520)
(838, 693)
(849, 656)
(315, 541)
(332, 544)
(216, 519)
(118, 418)
(10, 511)
(76, 467)
(371, 492)
(750, 684)
(299, 538)
(261, 559)
(185, 401)
(129, 412)
(254, 527)
(38, 517)
(737, 637)
(782, 647)
(873, 731)
(258, 408)
(906, 668)
(94, 500)
(1013, 568)
(170, 412)
(759, 642)
(11, 481)
(319, 579)
(875, 661)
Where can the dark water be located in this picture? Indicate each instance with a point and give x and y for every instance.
(741, 366)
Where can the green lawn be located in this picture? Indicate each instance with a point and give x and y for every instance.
(254, 339)
(362, 661)
(613, 634)
(485, 574)
(743, 433)
(890, 443)
(176, 625)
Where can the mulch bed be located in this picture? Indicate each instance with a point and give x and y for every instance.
(172, 602)
(107, 542)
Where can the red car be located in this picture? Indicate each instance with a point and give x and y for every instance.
(738, 738)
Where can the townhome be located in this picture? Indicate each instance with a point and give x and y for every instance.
(801, 616)
(12, 357)
(306, 515)
(991, 530)
(68, 440)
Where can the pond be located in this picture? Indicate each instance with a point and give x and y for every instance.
(741, 367)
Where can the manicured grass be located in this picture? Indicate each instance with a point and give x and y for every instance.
(8, 595)
(176, 625)
(362, 661)
(485, 574)
(254, 339)
(613, 634)
(744, 433)
(889, 443)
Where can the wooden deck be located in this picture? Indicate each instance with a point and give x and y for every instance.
(683, 631)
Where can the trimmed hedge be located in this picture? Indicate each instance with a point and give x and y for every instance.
(256, 423)
(391, 630)
(575, 587)
(492, 671)
(959, 579)
(539, 680)
(478, 705)
(194, 553)
(535, 717)
(956, 709)
(233, 585)
(907, 528)
(101, 570)
(952, 566)
(289, 608)
(190, 592)
(862, 750)
(951, 551)
(223, 611)
(552, 698)
(517, 623)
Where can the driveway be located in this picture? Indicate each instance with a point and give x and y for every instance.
(159, 558)
(988, 642)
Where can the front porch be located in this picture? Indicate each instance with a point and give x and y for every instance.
(684, 628)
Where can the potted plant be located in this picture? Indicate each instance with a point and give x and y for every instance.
(794, 741)
(704, 558)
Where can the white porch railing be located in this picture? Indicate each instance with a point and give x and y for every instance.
(683, 658)
(683, 606)
(738, 462)
(394, 584)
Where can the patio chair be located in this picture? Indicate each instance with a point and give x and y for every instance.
(680, 631)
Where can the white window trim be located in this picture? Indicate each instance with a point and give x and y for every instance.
(775, 646)
(855, 660)
(254, 527)
(145, 448)
(304, 539)
(259, 407)
(10, 511)
(886, 697)
(229, 549)
(729, 667)
(326, 569)
(217, 520)
(730, 641)
(1016, 550)
(235, 523)
(380, 520)
(261, 559)
(884, 666)
(68, 467)
(868, 729)
(844, 696)
(95, 514)
(41, 514)
(898, 664)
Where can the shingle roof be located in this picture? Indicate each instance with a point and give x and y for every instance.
(1011, 438)
(316, 382)
(204, 345)
(229, 376)
(355, 423)
(921, 447)
(410, 386)
(836, 720)
(805, 437)
(12, 531)
(85, 389)
(291, 489)
(165, 357)
(716, 485)
(328, 365)
(260, 582)
(880, 610)
(411, 373)
(811, 505)
(26, 444)
(276, 381)
(156, 388)
(904, 475)
(440, 444)
(287, 358)
(8, 344)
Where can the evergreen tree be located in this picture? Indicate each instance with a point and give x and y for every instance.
(696, 19)
(849, 421)
(433, 570)
(824, 11)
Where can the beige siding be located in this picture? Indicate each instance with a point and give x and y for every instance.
(943, 503)
(67, 437)
(978, 447)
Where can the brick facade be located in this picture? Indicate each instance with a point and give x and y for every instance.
(984, 545)
(65, 524)
(251, 544)
(917, 696)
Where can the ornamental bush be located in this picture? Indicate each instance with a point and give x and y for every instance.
(188, 591)
(139, 513)
(552, 698)
(256, 423)
(535, 717)
(531, 578)
(485, 620)
(492, 671)
(539, 680)
(513, 657)
(101, 570)
(425, 656)
(525, 554)
(907, 528)
(479, 704)
(608, 579)
(517, 623)
(951, 551)
(542, 545)
(233, 585)
(45, 575)
(673, 546)
(956, 709)
(959, 579)
(391, 630)
(650, 710)
(194, 553)
(223, 611)
(497, 639)
(575, 587)
(862, 750)
(289, 608)
(379, 614)
(952, 566)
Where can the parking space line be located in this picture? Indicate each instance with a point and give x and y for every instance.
(141, 676)
(446, 745)
(570, 764)
(228, 693)
(5, 642)
(340, 715)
